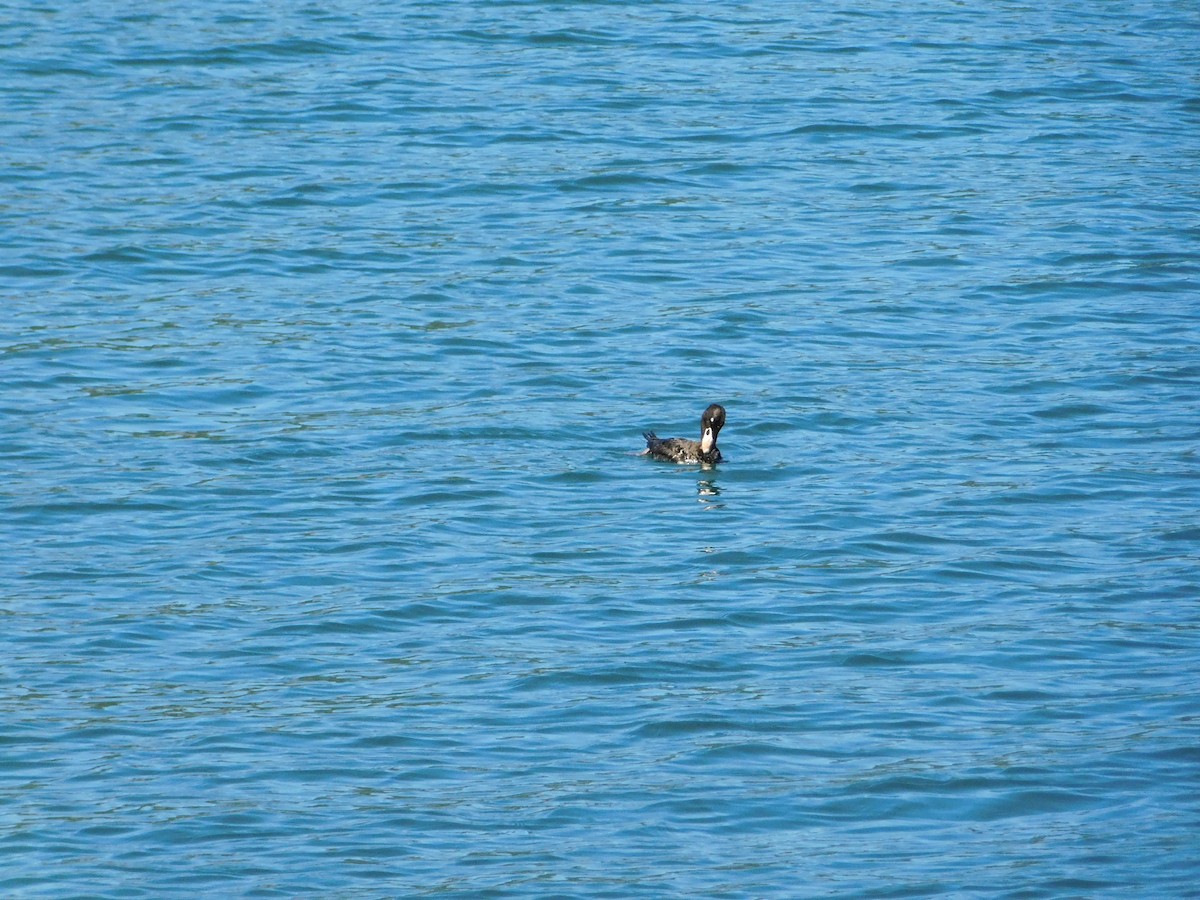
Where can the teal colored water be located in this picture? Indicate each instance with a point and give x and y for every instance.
(330, 567)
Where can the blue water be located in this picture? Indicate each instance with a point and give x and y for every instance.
(329, 564)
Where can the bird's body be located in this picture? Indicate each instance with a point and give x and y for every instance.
(683, 450)
(679, 450)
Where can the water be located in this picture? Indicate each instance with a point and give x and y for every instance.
(330, 567)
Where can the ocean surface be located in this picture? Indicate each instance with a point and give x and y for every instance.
(329, 564)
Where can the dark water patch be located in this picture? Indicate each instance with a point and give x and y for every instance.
(1071, 411)
(240, 54)
(571, 38)
(614, 181)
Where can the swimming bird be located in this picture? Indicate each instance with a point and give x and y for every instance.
(681, 450)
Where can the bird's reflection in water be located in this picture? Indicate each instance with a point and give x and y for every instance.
(708, 491)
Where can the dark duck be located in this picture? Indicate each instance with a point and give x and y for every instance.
(681, 450)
